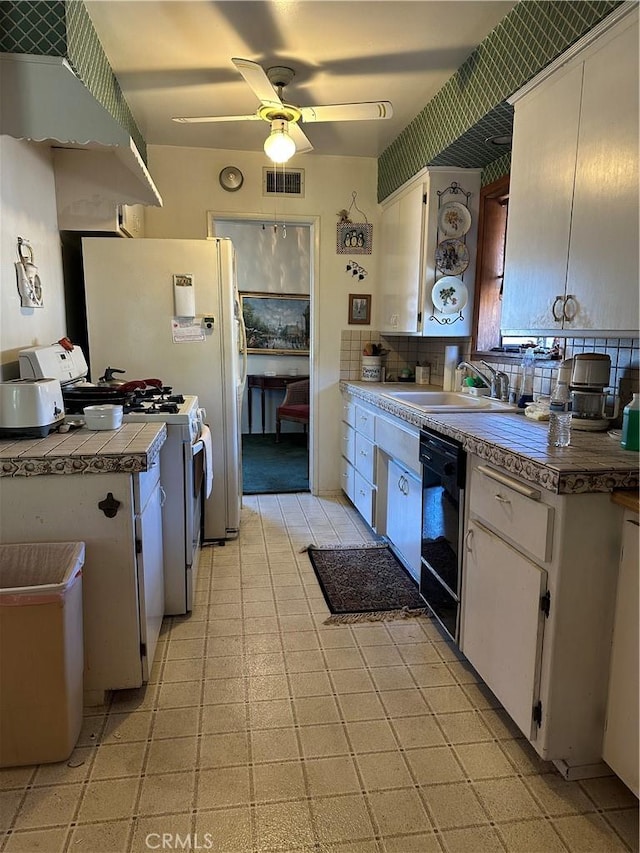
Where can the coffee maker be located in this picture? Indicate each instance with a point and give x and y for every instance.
(589, 382)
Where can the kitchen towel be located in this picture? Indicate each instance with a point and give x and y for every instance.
(205, 438)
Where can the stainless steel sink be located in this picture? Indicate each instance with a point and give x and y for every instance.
(448, 401)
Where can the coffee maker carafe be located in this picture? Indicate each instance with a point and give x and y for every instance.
(589, 383)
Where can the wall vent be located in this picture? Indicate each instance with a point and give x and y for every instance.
(285, 182)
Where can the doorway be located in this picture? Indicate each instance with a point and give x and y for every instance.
(275, 263)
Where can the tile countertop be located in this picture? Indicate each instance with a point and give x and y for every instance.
(129, 450)
(594, 461)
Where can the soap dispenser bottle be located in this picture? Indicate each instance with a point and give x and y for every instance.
(631, 424)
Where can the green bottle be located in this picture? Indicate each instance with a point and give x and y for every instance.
(631, 424)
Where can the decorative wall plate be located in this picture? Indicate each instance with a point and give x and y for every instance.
(449, 294)
(231, 179)
(454, 219)
(452, 257)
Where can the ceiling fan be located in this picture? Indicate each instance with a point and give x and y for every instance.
(286, 135)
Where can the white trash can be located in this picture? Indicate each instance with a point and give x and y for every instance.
(41, 651)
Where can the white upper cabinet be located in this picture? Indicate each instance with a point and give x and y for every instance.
(572, 237)
(411, 234)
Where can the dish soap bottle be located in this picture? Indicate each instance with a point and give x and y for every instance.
(526, 379)
(631, 424)
(560, 413)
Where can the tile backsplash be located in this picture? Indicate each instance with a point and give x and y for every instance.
(409, 351)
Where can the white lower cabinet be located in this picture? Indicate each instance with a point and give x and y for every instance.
(620, 746)
(404, 515)
(504, 624)
(539, 580)
(359, 457)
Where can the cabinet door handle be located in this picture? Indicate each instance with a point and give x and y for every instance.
(163, 497)
(557, 318)
(502, 499)
(534, 494)
(570, 300)
(469, 540)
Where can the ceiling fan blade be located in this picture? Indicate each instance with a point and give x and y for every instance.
(298, 135)
(255, 77)
(348, 112)
(200, 119)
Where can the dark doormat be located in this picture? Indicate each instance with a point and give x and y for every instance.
(365, 583)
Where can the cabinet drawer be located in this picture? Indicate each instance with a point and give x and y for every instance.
(144, 484)
(347, 472)
(348, 443)
(348, 411)
(364, 497)
(365, 457)
(365, 421)
(399, 443)
(513, 510)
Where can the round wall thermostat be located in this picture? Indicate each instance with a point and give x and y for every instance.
(231, 178)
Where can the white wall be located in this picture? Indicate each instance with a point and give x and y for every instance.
(187, 179)
(28, 210)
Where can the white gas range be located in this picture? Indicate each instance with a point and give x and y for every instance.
(183, 457)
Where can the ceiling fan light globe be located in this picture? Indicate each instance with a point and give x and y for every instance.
(279, 146)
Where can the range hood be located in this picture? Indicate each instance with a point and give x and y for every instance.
(44, 101)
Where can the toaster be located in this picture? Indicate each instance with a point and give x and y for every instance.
(30, 407)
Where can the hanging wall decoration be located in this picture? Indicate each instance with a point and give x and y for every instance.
(353, 238)
(28, 280)
(449, 294)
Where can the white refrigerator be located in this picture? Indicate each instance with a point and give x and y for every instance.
(136, 293)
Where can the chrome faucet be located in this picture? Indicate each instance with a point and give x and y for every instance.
(477, 372)
(499, 383)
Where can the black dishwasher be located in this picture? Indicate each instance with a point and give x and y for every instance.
(443, 479)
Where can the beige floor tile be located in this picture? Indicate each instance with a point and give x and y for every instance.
(557, 796)
(293, 607)
(296, 623)
(431, 675)
(179, 694)
(403, 703)
(225, 786)
(455, 806)
(442, 700)
(507, 799)
(278, 781)
(118, 759)
(274, 745)
(169, 792)
(360, 706)
(284, 825)
(172, 754)
(41, 841)
(378, 656)
(227, 830)
(265, 664)
(313, 710)
(15, 777)
(257, 594)
(349, 658)
(398, 811)
(224, 646)
(531, 835)
(434, 765)
(425, 842)
(255, 609)
(150, 830)
(464, 727)
(318, 741)
(224, 718)
(336, 637)
(225, 611)
(413, 732)
(223, 691)
(310, 660)
(225, 628)
(272, 714)
(42, 807)
(419, 653)
(113, 798)
(226, 596)
(263, 644)
(75, 769)
(371, 736)
(392, 677)
(222, 750)
(483, 760)
(342, 818)
(480, 696)
(127, 727)
(588, 834)
(408, 631)
(609, 792)
(372, 635)
(260, 625)
(182, 670)
(136, 699)
(175, 722)
(480, 839)
(310, 684)
(181, 649)
(625, 823)
(299, 641)
(352, 681)
(380, 770)
(331, 776)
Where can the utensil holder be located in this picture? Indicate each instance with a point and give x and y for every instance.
(371, 368)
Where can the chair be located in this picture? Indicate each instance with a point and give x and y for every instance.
(295, 406)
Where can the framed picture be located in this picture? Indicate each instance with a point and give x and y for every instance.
(359, 308)
(354, 238)
(276, 324)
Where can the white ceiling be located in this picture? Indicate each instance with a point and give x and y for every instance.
(173, 57)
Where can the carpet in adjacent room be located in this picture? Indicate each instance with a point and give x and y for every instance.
(270, 468)
(365, 583)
